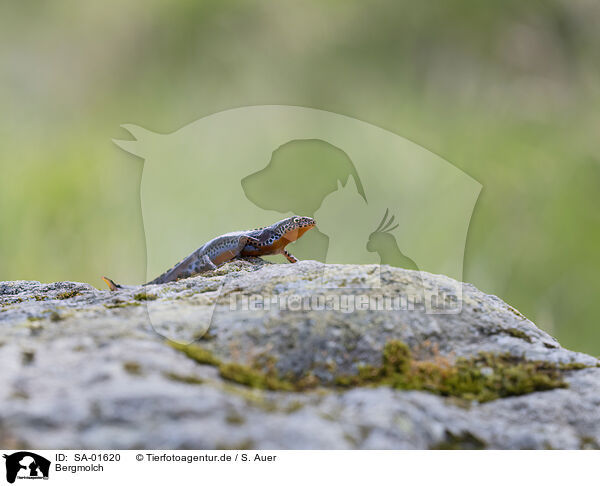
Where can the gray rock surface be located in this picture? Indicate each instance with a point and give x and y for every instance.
(87, 368)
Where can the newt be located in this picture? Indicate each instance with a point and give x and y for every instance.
(268, 240)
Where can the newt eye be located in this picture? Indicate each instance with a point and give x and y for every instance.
(296, 220)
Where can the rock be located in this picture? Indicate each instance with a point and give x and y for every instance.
(87, 368)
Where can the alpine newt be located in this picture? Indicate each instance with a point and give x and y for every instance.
(269, 240)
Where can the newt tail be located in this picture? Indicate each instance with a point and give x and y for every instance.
(270, 240)
(111, 284)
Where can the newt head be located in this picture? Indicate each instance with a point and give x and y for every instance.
(292, 228)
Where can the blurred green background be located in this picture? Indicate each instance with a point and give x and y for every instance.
(507, 91)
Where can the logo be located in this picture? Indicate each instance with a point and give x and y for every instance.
(378, 199)
(26, 465)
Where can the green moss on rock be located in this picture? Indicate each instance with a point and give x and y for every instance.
(69, 294)
(485, 377)
(197, 353)
(254, 378)
(234, 418)
(27, 357)
(143, 296)
(11, 301)
(132, 368)
(249, 376)
(190, 379)
(482, 378)
(119, 304)
(517, 333)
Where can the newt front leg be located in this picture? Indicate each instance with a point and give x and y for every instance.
(291, 258)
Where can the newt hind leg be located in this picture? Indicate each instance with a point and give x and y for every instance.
(205, 264)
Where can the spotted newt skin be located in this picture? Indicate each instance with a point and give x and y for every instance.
(269, 240)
